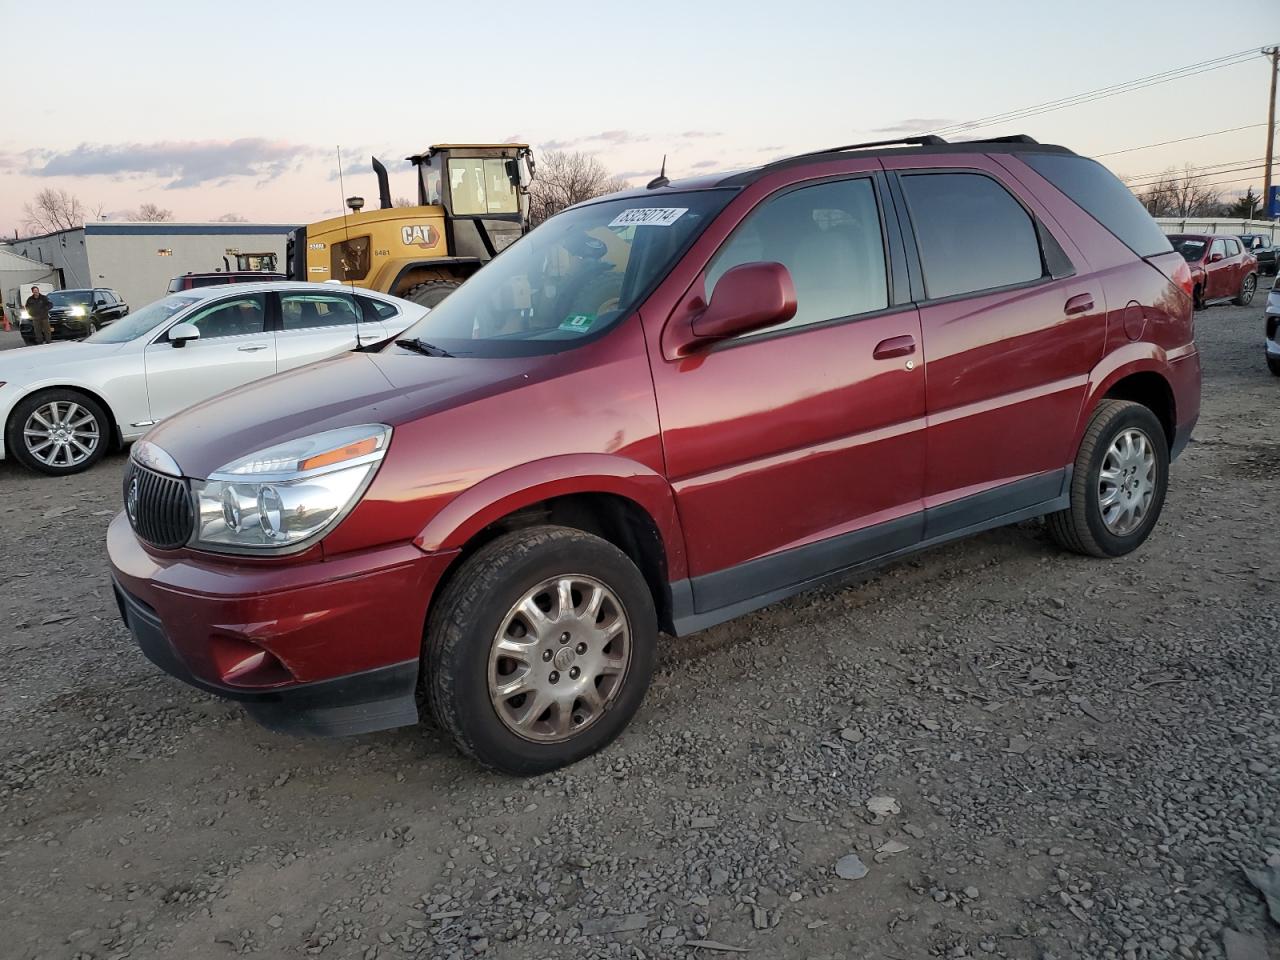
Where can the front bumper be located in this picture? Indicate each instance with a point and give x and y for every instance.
(328, 647)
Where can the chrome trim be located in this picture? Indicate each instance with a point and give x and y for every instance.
(149, 455)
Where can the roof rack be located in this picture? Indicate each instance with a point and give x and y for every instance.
(1011, 138)
(924, 140)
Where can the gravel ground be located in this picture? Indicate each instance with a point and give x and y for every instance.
(1031, 754)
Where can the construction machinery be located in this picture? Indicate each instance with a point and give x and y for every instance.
(472, 204)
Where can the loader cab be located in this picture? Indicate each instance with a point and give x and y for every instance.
(482, 189)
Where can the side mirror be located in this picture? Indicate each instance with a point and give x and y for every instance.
(180, 333)
(1215, 257)
(748, 297)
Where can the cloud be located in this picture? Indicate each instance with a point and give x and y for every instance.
(614, 138)
(700, 134)
(915, 125)
(186, 163)
(704, 164)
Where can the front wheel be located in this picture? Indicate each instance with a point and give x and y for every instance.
(540, 649)
(1119, 483)
(58, 432)
(1273, 365)
(1247, 287)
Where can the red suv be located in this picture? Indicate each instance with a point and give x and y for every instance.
(1221, 269)
(659, 410)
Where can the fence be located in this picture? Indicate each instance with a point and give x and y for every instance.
(1267, 228)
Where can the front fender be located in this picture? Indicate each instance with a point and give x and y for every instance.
(504, 493)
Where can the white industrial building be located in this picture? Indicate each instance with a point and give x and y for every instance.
(139, 259)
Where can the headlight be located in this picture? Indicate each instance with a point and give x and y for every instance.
(76, 311)
(284, 497)
(24, 315)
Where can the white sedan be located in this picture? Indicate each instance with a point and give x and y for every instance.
(63, 405)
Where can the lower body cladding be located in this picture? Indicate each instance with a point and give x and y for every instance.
(327, 648)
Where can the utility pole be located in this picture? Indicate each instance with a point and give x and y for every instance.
(1274, 54)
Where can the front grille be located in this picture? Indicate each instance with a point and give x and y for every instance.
(158, 506)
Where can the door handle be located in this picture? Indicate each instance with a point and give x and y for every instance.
(252, 347)
(1080, 303)
(894, 347)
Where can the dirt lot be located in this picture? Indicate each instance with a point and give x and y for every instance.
(1082, 757)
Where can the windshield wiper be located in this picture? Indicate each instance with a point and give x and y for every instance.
(424, 348)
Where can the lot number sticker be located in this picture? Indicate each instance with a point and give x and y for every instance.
(578, 323)
(649, 216)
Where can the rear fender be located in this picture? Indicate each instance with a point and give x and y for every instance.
(582, 473)
(1141, 357)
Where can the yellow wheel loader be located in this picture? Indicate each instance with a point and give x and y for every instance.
(472, 203)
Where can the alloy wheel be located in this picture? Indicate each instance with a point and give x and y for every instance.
(1246, 292)
(61, 433)
(1127, 481)
(559, 658)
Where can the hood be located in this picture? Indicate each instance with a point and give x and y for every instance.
(49, 355)
(352, 388)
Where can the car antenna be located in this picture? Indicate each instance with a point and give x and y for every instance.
(346, 229)
(661, 179)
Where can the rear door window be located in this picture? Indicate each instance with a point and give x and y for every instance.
(828, 237)
(1233, 248)
(971, 233)
(305, 311)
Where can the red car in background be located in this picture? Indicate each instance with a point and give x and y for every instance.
(1221, 268)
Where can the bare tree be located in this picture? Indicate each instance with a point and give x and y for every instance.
(404, 202)
(151, 213)
(564, 179)
(1182, 194)
(52, 210)
(231, 218)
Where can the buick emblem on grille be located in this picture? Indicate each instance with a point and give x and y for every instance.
(131, 501)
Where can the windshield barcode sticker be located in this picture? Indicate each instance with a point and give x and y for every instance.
(649, 216)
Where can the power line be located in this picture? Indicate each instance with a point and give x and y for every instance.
(1102, 93)
(1177, 177)
(1210, 168)
(1165, 143)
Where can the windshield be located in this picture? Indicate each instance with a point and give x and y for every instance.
(573, 277)
(144, 320)
(70, 298)
(1191, 248)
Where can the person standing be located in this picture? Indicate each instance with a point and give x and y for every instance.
(38, 310)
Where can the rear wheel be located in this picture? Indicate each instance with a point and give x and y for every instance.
(1273, 365)
(58, 432)
(431, 293)
(540, 649)
(1247, 287)
(1119, 483)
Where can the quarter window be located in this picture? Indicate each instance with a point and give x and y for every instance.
(828, 237)
(972, 235)
(231, 318)
(302, 311)
(384, 310)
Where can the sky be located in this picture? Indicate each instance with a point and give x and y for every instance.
(213, 110)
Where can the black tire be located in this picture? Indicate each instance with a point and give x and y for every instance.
(1273, 365)
(431, 293)
(15, 441)
(1248, 287)
(465, 620)
(1080, 528)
